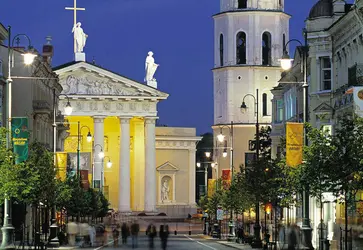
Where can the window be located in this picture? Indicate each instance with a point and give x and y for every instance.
(241, 48)
(264, 104)
(221, 49)
(283, 41)
(242, 4)
(279, 110)
(266, 48)
(325, 73)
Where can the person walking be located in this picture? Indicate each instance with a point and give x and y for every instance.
(164, 234)
(151, 233)
(115, 235)
(125, 232)
(135, 228)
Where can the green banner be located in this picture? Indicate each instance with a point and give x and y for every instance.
(20, 138)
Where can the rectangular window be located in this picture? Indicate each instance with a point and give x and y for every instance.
(325, 73)
(280, 110)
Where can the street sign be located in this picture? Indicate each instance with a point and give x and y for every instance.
(220, 214)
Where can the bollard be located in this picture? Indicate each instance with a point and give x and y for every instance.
(190, 231)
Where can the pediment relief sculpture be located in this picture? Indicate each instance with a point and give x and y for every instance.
(87, 86)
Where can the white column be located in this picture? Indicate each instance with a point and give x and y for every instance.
(192, 176)
(98, 140)
(150, 165)
(124, 179)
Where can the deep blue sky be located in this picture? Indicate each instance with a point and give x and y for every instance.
(121, 32)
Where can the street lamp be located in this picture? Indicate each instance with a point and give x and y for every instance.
(221, 138)
(8, 229)
(257, 228)
(54, 241)
(101, 155)
(79, 134)
(286, 64)
(109, 163)
(207, 154)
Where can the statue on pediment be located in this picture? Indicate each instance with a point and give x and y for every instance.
(150, 67)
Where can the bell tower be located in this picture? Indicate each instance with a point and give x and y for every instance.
(249, 36)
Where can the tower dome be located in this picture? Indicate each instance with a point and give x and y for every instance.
(322, 8)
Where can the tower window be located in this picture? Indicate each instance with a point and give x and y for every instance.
(283, 41)
(242, 4)
(266, 48)
(264, 104)
(241, 48)
(221, 49)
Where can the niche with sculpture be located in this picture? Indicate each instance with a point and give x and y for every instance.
(166, 189)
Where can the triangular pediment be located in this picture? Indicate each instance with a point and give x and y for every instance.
(323, 108)
(167, 166)
(88, 80)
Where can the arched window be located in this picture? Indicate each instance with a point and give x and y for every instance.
(221, 49)
(264, 104)
(283, 40)
(241, 48)
(242, 4)
(266, 48)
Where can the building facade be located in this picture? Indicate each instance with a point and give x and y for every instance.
(248, 41)
(335, 39)
(33, 91)
(153, 168)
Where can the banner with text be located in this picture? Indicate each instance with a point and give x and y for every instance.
(84, 179)
(211, 187)
(61, 163)
(226, 178)
(294, 143)
(20, 135)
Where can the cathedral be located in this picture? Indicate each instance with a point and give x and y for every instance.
(249, 37)
(113, 139)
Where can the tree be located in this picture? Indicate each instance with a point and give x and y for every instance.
(12, 176)
(346, 164)
(237, 197)
(40, 174)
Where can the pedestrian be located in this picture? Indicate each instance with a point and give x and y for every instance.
(135, 228)
(151, 233)
(92, 234)
(115, 235)
(125, 232)
(164, 234)
(292, 238)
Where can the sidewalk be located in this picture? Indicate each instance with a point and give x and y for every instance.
(231, 244)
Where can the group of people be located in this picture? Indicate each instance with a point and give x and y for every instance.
(85, 232)
(133, 230)
(126, 231)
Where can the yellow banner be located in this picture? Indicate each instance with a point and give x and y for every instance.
(294, 143)
(211, 187)
(61, 161)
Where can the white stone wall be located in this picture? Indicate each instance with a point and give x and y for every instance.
(254, 24)
(227, 5)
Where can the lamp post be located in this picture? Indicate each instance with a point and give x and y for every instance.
(8, 229)
(257, 243)
(54, 241)
(221, 138)
(101, 155)
(89, 139)
(286, 63)
(109, 165)
(205, 171)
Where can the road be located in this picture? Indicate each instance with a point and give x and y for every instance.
(179, 242)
